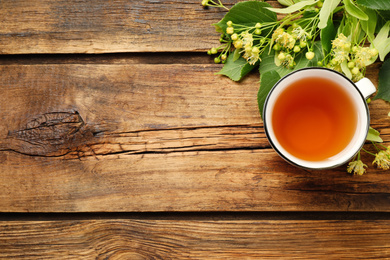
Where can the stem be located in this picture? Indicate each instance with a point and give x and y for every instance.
(223, 5)
(287, 19)
(376, 147)
(219, 4)
(368, 152)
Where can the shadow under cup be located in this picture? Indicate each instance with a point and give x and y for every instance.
(317, 118)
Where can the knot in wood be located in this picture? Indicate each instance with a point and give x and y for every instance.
(50, 128)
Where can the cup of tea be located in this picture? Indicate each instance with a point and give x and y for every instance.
(317, 118)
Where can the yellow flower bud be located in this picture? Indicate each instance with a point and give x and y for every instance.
(351, 64)
(355, 70)
(309, 55)
(230, 30)
(255, 50)
(234, 36)
(238, 44)
(296, 48)
(281, 56)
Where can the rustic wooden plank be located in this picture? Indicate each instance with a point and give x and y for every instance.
(50, 110)
(176, 239)
(118, 101)
(109, 58)
(251, 180)
(150, 137)
(107, 26)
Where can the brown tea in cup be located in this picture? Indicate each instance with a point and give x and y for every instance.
(314, 118)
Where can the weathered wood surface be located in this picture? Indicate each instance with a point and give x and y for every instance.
(151, 137)
(106, 26)
(172, 239)
(145, 129)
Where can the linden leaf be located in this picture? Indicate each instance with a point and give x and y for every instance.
(373, 135)
(375, 4)
(382, 42)
(267, 81)
(236, 54)
(354, 10)
(235, 69)
(289, 2)
(345, 69)
(383, 17)
(248, 13)
(384, 82)
(293, 8)
(327, 35)
(369, 25)
(286, 2)
(327, 9)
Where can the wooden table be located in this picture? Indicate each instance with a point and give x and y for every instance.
(118, 141)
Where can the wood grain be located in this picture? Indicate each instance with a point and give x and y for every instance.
(175, 239)
(93, 137)
(147, 129)
(106, 26)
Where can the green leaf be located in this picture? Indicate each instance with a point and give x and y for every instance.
(353, 10)
(351, 28)
(375, 4)
(248, 13)
(268, 64)
(218, 28)
(327, 35)
(327, 9)
(382, 42)
(383, 17)
(384, 82)
(345, 28)
(346, 70)
(373, 135)
(286, 2)
(237, 69)
(293, 8)
(267, 81)
(369, 25)
(236, 54)
(355, 33)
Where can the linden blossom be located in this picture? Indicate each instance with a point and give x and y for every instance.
(357, 167)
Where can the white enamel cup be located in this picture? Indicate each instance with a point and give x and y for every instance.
(358, 92)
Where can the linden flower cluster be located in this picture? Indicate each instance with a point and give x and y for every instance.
(355, 57)
(382, 160)
(250, 42)
(247, 40)
(356, 167)
(285, 36)
(244, 42)
(287, 43)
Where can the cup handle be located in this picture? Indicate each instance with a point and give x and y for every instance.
(366, 87)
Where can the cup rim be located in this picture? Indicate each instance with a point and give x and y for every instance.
(286, 158)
